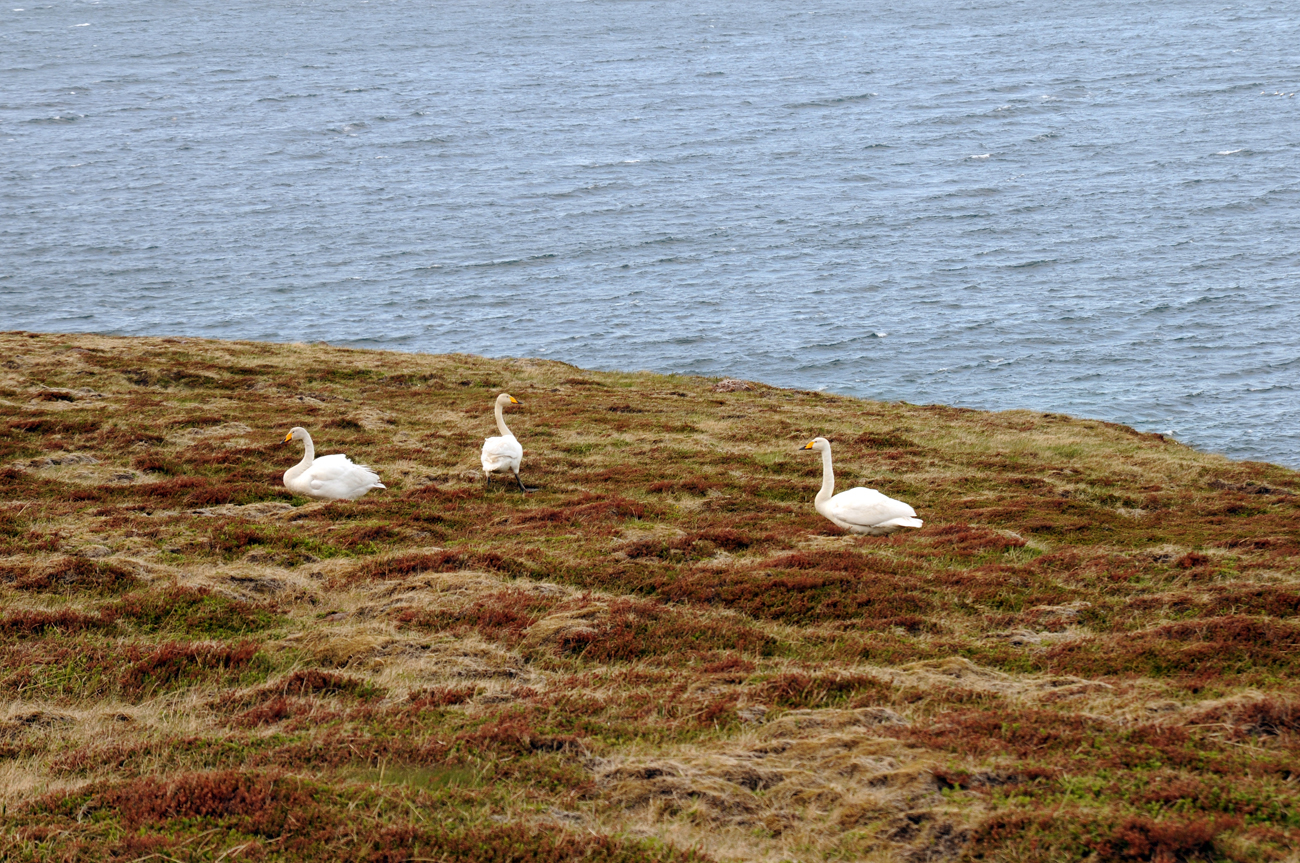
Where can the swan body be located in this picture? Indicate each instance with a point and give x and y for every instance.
(858, 510)
(502, 454)
(330, 477)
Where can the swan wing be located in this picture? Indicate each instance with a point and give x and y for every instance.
(331, 467)
(336, 477)
(866, 507)
(501, 453)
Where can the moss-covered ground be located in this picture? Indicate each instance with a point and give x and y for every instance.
(1090, 652)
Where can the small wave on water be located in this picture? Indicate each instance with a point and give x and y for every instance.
(57, 118)
(834, 101)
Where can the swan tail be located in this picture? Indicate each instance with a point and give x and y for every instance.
(903, 522)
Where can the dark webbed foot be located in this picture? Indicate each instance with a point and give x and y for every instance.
(525, 489)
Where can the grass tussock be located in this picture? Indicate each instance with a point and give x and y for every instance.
(1088, 653)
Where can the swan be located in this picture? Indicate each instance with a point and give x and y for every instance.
(858, 510)
(330, 477)
(503, 454)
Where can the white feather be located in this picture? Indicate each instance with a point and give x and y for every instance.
(330, 477)
(502, 454)
(868, 508)
(858, 510)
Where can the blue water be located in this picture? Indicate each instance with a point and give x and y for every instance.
(1082, 207)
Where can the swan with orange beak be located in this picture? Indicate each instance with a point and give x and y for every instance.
(330, 477)
(503, 454)
(858, 510)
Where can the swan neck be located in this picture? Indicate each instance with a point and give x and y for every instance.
(828, 478)
(501, 422)
(308, 456)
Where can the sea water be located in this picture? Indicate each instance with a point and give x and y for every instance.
(1080, 207)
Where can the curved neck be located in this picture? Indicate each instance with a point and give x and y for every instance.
(308, 456)
(828, 478)
(501, 422)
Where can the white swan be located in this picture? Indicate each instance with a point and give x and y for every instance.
(330, 477)
(858, 510)
(503, 454)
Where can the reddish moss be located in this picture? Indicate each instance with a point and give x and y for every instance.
(516, 734)
(1271, 600)
(406, 565)
(797, 689)
(696, 545)
(1141, 838)
(156, 464)
(189, 491)
(11, 479)
(436, 494)
(838, 560)
(1046, 737)
(70, 573)
(76, 423)
(178, 662)
(502, 615)
(720, 711)
(314, 682)
(1192, 650)
(1264, 717)
(275, 710)
(584, 510)
(304, 683)
(262, 804)
(966, 541)
(27, 624)
(119, 436)
(633, 629)
(732, 665)
(801, 597)
(191, 611)
(369, 535)
(237, 537)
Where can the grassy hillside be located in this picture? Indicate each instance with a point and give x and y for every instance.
(1089, 652)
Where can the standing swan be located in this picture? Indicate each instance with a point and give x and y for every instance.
(858, 510)
(503, 454)
(330, 477)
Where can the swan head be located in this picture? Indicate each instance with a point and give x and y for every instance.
(295, 433)
(817, 444)
(506, 399)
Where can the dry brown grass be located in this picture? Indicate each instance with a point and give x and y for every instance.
(1088, 653)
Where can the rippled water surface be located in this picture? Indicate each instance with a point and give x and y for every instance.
(1084, 207)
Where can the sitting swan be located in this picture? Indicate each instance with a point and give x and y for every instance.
(503, 454)
(858, 510)
(330, 477)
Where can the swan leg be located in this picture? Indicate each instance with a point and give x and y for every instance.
(525, 489)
